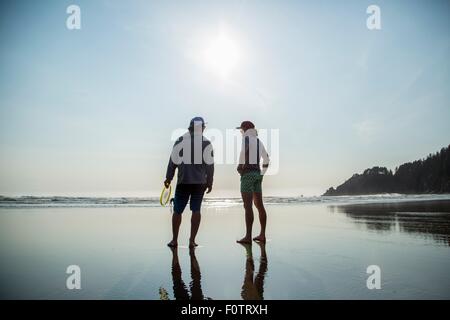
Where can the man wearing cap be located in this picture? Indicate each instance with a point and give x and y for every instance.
(193, 155)
(249, 168)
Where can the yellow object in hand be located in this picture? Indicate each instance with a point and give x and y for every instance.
(165, 195)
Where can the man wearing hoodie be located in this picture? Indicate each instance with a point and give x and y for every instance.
(249, 168)
(193, 155)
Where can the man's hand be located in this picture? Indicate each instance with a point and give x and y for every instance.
(167, 183)
(208, 189)
(265, 167)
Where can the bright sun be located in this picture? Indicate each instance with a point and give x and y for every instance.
(222, 54)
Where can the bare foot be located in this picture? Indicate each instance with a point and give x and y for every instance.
(172, 244)
(260, 238)
(244, 240)
(192, 244)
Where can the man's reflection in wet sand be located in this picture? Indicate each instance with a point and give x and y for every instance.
(180, 291)
(253, 288)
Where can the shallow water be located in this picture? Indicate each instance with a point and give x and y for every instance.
(314, 251)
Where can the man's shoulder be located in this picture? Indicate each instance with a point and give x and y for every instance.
(188, 137)
(181, 138)
(178, 140)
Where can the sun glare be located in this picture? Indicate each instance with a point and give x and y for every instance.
(222, 54)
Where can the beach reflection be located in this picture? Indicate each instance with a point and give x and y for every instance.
(253, 287)
(180, 291)
(428, 219)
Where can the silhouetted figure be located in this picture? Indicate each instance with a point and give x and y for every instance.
(249, 168)
(253, 288)
(193, 156)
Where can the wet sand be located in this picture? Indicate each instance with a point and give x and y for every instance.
(314, 251)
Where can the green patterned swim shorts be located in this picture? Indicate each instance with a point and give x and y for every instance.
(251, 182)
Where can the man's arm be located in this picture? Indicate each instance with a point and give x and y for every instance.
(171, 166)
(265, 157)
(210, 168)
(170, 172)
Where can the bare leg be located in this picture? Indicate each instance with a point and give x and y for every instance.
(176, 222)
(258, 200)
(195, 224)
(247, 198)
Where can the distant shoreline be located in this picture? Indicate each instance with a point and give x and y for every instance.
(425, 176)
(218, 202)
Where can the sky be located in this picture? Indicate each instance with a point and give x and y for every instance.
(92, 111)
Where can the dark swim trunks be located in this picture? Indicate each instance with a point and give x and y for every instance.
(184, 192)
(251, 182)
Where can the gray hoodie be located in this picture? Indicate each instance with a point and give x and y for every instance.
(193, 155)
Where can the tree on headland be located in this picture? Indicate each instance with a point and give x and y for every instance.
(429, 175)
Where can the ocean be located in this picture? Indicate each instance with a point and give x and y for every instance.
(86, 202)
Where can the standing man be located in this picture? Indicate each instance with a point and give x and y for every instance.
(251, 179)
(193, 155)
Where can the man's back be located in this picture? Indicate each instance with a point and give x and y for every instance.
(192, 154)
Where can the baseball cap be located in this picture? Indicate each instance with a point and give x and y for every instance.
(197, 121)
(246, 125)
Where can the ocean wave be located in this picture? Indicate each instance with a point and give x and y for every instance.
(63, 201)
